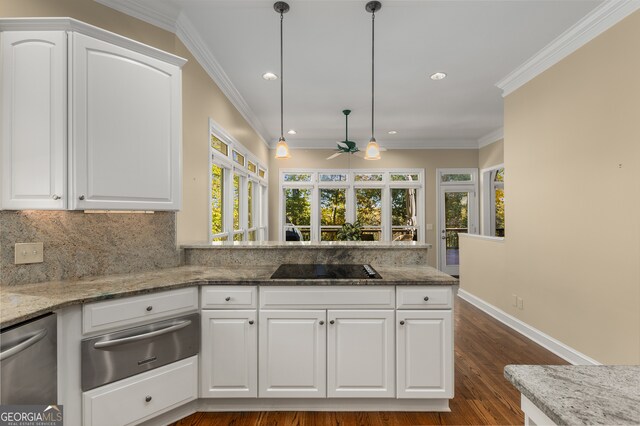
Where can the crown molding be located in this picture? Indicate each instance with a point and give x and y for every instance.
(165, 19)
(177, 23)
(71, 24)
(490, 138)
(593, 24)
(427, 144)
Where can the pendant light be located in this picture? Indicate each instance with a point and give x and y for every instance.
(373, 149)
(282, 149)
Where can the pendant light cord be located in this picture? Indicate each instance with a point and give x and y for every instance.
(373, 23)
(281, 80)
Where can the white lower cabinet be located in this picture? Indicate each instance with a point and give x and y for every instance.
(361, 353)
(229, 356)
(292, 354)
(143, 396)
(425, 354)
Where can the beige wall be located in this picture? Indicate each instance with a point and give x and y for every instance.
(491, 155)
(572, 151)
(201, 99)
(428, 159)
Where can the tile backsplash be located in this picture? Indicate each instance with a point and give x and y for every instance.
(78, 244)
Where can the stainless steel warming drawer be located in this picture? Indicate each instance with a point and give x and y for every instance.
(122, 354)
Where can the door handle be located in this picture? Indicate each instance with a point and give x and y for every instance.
(35, 338)
(444, 237)
(138, 337)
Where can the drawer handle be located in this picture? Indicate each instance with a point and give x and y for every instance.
(250, 322)
(81, 198)
(332, 322)
(137, 337)
(148, 398)
(149, 308)
(401, 322)
(426, 298)
(56, 197)
(321, 322)
(227, 298)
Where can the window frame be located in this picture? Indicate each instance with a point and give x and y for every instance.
(231, 168)
(386, 185)
(487, 200)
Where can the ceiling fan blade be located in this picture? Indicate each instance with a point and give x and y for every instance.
(331, 157)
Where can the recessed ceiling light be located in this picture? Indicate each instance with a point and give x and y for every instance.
(269, 76)
(392, 132)
(292, 132)
(438, 76)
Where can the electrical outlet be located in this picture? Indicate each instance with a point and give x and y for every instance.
(29, 253)
(514, 300)
(520, 303)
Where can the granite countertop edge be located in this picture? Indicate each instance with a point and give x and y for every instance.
(524, 390)
(20, 303)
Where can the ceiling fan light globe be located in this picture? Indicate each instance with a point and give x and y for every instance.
(373, 150)
(282, 149)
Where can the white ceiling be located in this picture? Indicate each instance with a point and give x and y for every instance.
(327, 63)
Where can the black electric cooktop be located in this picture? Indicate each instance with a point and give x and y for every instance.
(323, 271)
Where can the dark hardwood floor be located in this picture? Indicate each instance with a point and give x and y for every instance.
(483, 346)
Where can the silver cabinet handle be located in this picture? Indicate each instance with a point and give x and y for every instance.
(148, 398)
(55, 197)
(81, 197)
(138, 337)
(35, 338)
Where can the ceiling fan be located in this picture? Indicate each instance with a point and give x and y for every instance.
(346, 146)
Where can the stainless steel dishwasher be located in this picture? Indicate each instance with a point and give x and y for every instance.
(28, 362)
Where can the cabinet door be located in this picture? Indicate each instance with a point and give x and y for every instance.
(292, 348)
(125, 142)
(361, 354)
(425, 354)
(229, 358)
(34, 105)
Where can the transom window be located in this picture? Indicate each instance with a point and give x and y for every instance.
(238, 190)
(315, 204)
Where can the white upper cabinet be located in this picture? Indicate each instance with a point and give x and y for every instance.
(34, 104)
(125, 147)
(90, 120)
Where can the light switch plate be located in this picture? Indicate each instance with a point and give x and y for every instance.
(29, 253)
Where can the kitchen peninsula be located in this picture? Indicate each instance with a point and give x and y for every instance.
(265, 344)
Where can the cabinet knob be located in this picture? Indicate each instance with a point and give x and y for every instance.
(426, 298)
(321, 322)
(148, 398)
(149, 308)
(332, 322)
(81, 197)
(227, 298)
(401, 322)
(250, 322)
(55, 197)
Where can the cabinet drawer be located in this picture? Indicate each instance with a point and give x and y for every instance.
(424, 297)
(143, 396)
(231, 297)
(319, 297)
(128, 311)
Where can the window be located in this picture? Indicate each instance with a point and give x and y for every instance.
(388, 204)
(238, 198)
(492, 183)
(456, 177)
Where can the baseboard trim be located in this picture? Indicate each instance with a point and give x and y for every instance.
(553, 345)
(322, 404)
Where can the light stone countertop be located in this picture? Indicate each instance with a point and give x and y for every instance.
(22, 302)
(581, 394)
(307, 244)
